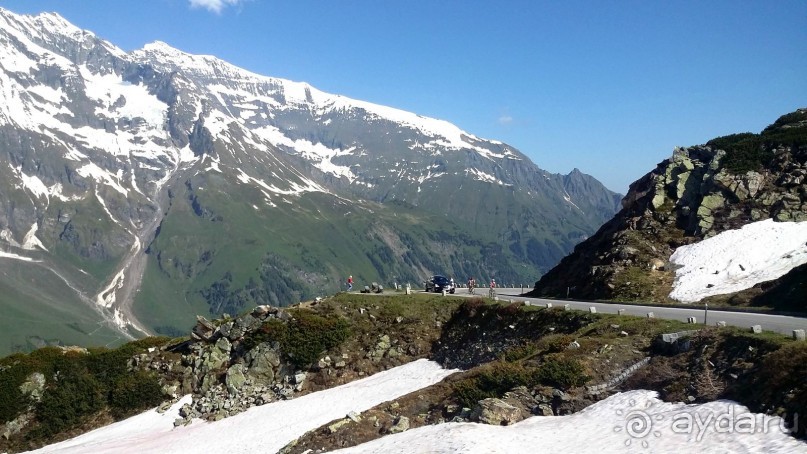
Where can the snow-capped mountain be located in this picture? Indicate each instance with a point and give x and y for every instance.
(149, 186)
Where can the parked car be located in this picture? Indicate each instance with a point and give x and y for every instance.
(439, 283)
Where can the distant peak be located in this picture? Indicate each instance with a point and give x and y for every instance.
(160, 46)
(59, 23)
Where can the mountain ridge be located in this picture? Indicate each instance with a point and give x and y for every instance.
(160, 184)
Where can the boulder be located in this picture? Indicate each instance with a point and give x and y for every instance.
(16, 425)
(235, 378)
(33, 386)
(263, 364)
(496, 412)
(247, 323)
(264, 311)
(333, 428)
(204, 329)
(401, 424)
(219, 355)
(380, 349)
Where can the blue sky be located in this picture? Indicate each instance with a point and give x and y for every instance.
(609, 87)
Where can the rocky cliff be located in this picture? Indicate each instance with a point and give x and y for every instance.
(697, 193)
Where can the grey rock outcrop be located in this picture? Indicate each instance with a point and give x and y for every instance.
(697, 193)
(401, 424)
(33, 386)
(223, 375)
(496, 412)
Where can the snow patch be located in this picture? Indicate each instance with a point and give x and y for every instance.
(106, 298)
(30, 242)
(485, 177)
(294, 187)
(262, 429)
(568, 199)
(736, 260)
(319, 154)
(33, 184)
(8, 255)
(634, 421)
(119, 98)
(98, 174)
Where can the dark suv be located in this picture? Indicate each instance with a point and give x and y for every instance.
(439, 283)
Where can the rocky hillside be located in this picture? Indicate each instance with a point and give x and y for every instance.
(517, 361)
(697, 193)
(138, 189)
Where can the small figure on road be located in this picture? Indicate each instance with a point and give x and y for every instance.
(349, 283)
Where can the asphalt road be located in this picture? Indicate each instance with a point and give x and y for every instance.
(779, 323)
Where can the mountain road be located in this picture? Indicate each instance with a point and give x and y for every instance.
(783, 324)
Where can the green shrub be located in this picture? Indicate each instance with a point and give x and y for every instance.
(64, 406)
(391, 309)
(309, 335)
(493, 381)
(749, 151)
(519, 352)
(108, 365)
(303, 338)
(562, 373)
(15, 369)
(133, 393)
(554, 343)
(790, 118)
(272, 330)
(12, 401)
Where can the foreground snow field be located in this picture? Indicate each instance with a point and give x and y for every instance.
(736, 260)
(634, 421)
(263, 429)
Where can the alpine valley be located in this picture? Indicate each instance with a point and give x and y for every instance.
(140, 189)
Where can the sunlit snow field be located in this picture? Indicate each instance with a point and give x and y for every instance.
(635, 421)
(736, 260)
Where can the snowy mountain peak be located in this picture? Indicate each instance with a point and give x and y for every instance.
(249, 87)
(98, 145)
(53, 32)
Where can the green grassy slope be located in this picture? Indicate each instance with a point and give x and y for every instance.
(221, 248)
(40, 309)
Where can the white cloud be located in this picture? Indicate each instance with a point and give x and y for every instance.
(214, 5)
(505, 120)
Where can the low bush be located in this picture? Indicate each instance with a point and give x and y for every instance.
(303, 338)
(133, 393)
(494, 380)
(77, 385)
(64, 406)
(520, 352)
(309, 335)
(272, 330)
(561, 373)
(554, 343)
(12, 401)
